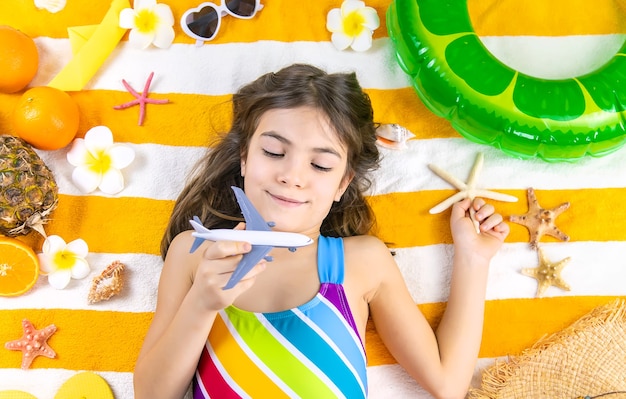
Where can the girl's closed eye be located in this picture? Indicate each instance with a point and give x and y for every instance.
(272, 154)
(321, 168)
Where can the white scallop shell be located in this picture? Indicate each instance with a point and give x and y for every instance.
(393, 136)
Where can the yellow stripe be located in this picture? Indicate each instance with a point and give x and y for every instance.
(547, 18)
(204, 116)
(511, 325)
(84, 340)
(110, 341)
(404, 221)
(113, 225)
(238, 365)
(130, 224)
(276, 21)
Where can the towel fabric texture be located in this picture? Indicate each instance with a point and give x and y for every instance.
(105, 337)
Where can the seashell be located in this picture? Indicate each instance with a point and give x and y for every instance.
(53, 6)
(392, 135)
(109, 283)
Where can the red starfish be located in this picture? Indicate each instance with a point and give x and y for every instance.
(33, 343)
(141, 99)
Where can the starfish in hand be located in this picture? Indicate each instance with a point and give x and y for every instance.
(540, 221)
(467, 190)
(140, 99)
(33, 343)
(547, 273)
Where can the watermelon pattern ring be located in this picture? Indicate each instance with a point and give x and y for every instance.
(491, 103)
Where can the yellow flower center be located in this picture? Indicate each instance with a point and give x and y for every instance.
(100, 163)
(146, 21)
(64, 260)
(353, 24)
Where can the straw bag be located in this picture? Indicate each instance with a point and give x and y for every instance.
(585, 360)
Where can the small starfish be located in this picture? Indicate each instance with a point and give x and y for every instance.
(140, 99)
(467, 190)
(540, 221)
(547, 273)
(33, 343)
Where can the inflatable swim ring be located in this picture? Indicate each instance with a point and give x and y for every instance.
(490, 103)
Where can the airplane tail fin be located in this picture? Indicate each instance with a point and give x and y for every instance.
(196, 223)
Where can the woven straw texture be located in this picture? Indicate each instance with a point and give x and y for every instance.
(587, 359)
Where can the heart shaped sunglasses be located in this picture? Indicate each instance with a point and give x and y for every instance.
(203, 22)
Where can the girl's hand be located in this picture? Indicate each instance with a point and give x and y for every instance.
(493, 230)
(218, 262)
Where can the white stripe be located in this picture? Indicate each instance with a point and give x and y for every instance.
(595, 268)
(45, 383)
(141, 280)
(254, 358)
(386, 381)
(160, 171)
(500, 171)
(332, 343)
(392, 381)
(218, 69)
(557, 57)
(299, 355)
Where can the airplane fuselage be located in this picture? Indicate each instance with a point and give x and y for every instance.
(255, 237)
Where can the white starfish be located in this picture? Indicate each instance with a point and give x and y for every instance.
(467, 190)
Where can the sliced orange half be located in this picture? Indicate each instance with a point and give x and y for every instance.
(19, 267)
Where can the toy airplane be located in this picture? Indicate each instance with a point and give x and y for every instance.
(257, 233)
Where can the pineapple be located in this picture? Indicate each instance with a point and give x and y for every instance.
(28, 191)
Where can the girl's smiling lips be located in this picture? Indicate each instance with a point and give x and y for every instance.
(284, 201)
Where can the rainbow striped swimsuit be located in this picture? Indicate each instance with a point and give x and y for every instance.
(312, 351)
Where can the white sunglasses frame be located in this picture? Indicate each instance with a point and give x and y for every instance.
(221, 11)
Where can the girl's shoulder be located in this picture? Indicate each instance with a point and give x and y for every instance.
(365, 246)
(180, 246)
(368, 264)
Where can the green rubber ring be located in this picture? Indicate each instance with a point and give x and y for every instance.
(490, 103)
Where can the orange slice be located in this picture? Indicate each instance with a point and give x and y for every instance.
(19, 267)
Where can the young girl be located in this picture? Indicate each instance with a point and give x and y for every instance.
(301, 146)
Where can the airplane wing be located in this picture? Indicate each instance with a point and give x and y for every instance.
(197, 226)
(254, 220)
(247, 263)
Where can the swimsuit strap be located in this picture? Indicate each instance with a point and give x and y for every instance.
(330, 266)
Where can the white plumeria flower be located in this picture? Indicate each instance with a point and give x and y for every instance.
(352, 26)
(98, 161)
(149, 23)
(62, 262)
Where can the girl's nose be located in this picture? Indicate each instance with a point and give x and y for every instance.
(293, 174)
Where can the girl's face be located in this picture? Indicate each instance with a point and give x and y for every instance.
(295, 169)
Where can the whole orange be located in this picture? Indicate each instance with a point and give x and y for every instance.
(46, 118)
(19, 59)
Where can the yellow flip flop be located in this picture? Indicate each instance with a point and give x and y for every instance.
(13, 394)
(84, 385)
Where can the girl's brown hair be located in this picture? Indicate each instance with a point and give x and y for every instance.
(339, 96)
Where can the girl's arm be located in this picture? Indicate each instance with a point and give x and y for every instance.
(443, 362)
(189, 297)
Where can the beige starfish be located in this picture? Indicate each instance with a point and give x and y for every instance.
(467, 190)
(540, 221)
(547, 273)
